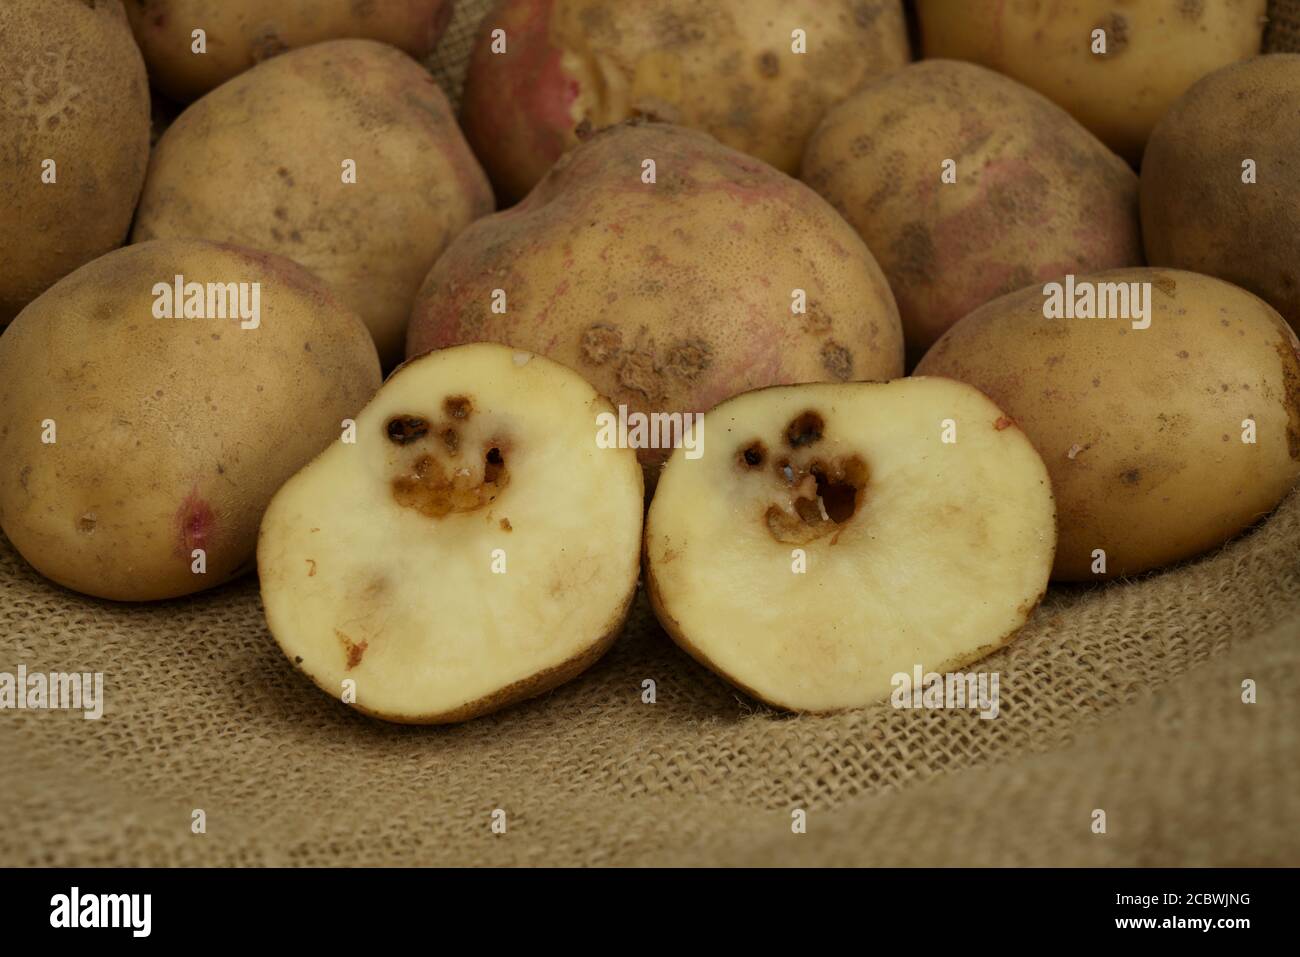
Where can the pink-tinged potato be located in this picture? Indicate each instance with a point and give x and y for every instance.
(673, 295)
(260, 162)
(727, 66)
(132, 436)
(242, 33)
(1033, 194)
(74, 140)
(1155, 49)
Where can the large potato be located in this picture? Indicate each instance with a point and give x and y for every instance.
(261, 162)
(728, 66)
(1029, 195)
(1155, 49)
(168, 434)
(672, 295)
(241, 33)
(1198, 211)
(74, 140)
(1143, 429)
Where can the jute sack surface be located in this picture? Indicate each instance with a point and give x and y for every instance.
(1124, 698)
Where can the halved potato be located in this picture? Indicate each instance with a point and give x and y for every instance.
(473, 547)
(921, 516)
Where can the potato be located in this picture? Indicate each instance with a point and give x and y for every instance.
(1154, 51)
(728, 67)
(915, 551)
(131, 440)
(264, 162)
(722, 275)
(242, 33)
(1032, 193)
(1198, 211)
(74, 140)
(1162, 442)
(474, 548)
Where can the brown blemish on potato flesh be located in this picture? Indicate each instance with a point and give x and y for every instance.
(353, 650)
(434, 490)
(805, 429)
(458, 406)
(820, 496)
(405, 429)
(752, 455)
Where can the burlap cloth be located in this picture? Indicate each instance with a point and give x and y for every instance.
(1125, 698)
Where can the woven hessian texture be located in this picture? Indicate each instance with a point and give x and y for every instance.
(1124, 698)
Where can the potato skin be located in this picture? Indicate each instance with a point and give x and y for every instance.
(243, 33)
(671, 296)
(1156, 49)
(73, 90)
(1196, 211)
(259, 162)
(172, 434)
(725, 67)
(1141, 429)
(1035, 196)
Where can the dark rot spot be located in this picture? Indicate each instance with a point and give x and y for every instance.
(404, 429)
(805, 430)
(493, 466)
(434, 490)
(1131, 477)
(196, 523)
(506, 526)
(839, 493)
(752, 455)
(458, 406)
(768, 63)
(451, 439)
(828, 494)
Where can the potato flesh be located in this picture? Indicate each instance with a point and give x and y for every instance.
(941, 562)
(359, 586)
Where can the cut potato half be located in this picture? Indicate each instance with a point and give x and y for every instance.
(832, 536)
(473, 547)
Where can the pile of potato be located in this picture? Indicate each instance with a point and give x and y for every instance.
(697, 199)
